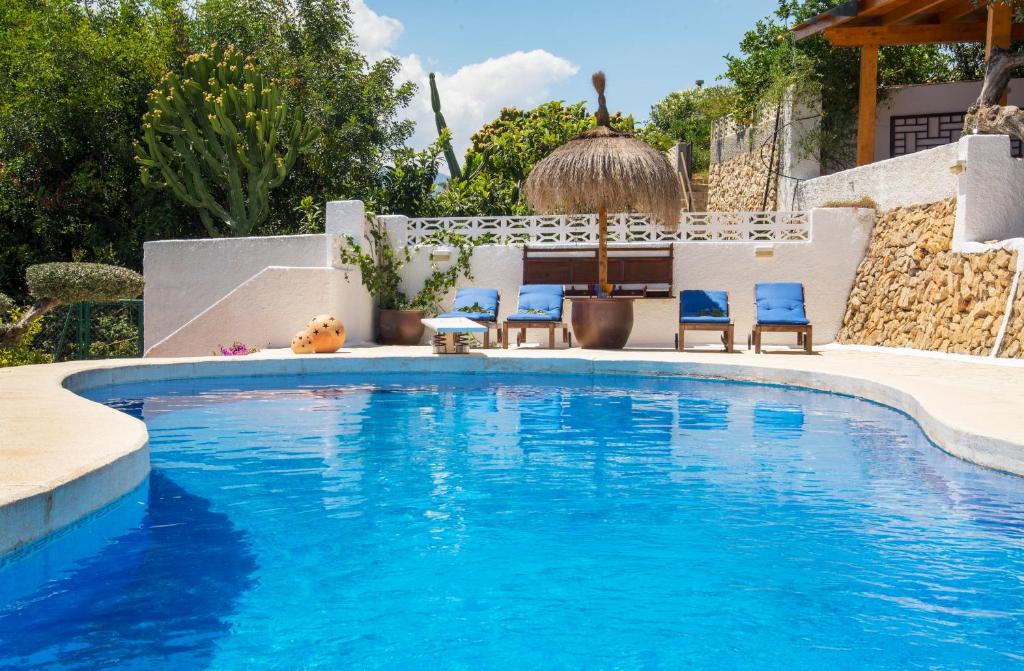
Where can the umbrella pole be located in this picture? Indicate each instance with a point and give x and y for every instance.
(602, 249)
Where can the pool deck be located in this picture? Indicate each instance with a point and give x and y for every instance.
(63, 457)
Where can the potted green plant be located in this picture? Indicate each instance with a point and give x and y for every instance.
(380, 264)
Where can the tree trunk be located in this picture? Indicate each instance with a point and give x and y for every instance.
(987, 116)
(602, 249)
(10, 334)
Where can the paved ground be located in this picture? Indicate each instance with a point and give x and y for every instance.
(62, 457)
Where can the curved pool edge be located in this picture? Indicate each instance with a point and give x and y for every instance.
(63, 456)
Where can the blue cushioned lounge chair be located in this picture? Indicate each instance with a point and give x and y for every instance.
(540, 306)
(479, 305)
(781, 308)
(701, 310)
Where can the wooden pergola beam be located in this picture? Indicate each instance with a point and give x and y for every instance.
(867, 107)
(957, 10)
(999, 33)
(934, 33)
(910, 10)
(999, 28)
(839, 15)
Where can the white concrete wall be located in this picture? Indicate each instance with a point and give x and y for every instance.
(798, 161)
(923, 177)
(978, 171)
(990, 192)
(826, 265)
(194, 305)
(950, 97)
(185, 277)
(268, 309)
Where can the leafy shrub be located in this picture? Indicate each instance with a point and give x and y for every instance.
(380, 264)
(7, 306)
(22, 352)
(74, 282)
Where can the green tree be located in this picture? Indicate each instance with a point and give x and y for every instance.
(504, 152)
(74, 77)
(687, 116)
(219, 136)
(354, 105)
(73, 82)
(770, 61)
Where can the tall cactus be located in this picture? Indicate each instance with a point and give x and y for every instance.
(220, 137)
(449, 153)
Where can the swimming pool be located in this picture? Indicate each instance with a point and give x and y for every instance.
(484, 521)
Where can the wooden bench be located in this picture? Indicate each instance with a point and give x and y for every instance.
(640, 271)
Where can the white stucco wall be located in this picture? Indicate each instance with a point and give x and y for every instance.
(978, 171)
(798, 161)
(268, 309)
(185, 277)
(923, 177)
(990, 191)
(920, 99)
(826, 265)
(191, 300)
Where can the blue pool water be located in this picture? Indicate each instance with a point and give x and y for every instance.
(481, 522)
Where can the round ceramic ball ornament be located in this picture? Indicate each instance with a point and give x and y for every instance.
(328, 333)
(302, 343)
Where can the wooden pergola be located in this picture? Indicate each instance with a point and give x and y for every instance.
(870, 24)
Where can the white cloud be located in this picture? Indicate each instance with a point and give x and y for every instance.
(473, 94)
(375, 34)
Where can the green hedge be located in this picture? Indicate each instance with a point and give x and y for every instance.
(6, 305)
(75, 282)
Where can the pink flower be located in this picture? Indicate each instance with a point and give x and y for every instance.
(237, 349)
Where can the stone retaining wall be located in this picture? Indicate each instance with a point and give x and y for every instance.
(739, 167)
(738, 184)
(1013, 341)
(911, 291)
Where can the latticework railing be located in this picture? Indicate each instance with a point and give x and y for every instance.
(581, 229)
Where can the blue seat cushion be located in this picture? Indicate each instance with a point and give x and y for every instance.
(697, 306)
(472, 296)
(539, 303)
(534, 317)
(780, 303)
(475, 316)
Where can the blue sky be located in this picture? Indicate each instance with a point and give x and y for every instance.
(493, 54)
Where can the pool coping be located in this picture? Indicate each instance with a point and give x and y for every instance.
(62, 456)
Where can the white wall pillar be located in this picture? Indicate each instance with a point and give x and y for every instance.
(801, 119)
(397, 227)
(346, 217)
(990, 182)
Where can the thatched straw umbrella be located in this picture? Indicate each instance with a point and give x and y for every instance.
(605, 170)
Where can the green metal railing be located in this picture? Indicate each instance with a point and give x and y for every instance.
(82, 315)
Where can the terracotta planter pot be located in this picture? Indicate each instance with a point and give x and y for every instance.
(400, 327)
(602, 323)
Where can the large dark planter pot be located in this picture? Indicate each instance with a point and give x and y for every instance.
(400, 327)
(602, 323)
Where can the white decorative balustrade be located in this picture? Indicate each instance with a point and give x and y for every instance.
(581, 229)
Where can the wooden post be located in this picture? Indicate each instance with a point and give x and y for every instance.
(602, 248)
(998, 33)
(868, 104)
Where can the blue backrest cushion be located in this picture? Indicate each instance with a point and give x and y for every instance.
(780, 300)
(546, 297)
(486, 298)
(700, 303)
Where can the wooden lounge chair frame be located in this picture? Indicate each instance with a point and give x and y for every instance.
(728, 333)
(804, 332)
(489, 323)
(521, 326)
